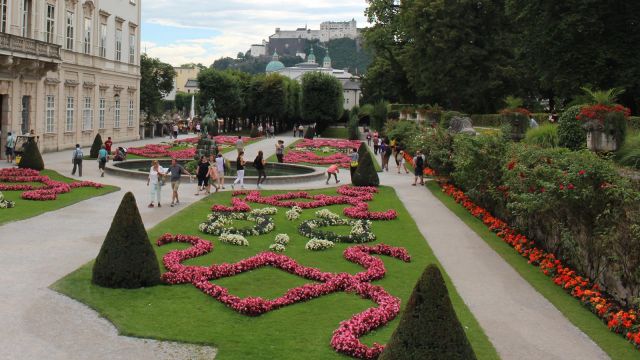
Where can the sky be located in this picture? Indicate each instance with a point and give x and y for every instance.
(201, 31)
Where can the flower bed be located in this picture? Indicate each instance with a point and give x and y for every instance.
(322, 152)
(345, 339)
(6, 204)
(360, 229)
(47, 192)
(154, 151)
(220, 140)
(221, 224)
(621, 321)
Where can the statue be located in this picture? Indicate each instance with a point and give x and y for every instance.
(462, 125)
(210, 119)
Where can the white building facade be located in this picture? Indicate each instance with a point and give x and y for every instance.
(70, 69)
(328, 30)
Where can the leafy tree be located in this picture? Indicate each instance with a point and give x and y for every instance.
(571, 133)
(322, 99)
(379, 115)
(31, 158)
(429, 327)
(225, 87)
(156, 83)
(126, 259)
(96, 146)
(365, 174)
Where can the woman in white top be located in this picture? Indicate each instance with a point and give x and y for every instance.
(154, 180)
(220, 167)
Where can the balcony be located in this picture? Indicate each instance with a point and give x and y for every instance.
(27, 57)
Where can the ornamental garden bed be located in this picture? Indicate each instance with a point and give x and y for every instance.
(277, 326)
(183, 149)
(34, 193)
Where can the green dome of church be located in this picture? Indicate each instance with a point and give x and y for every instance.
(312, 57)
(275, 64)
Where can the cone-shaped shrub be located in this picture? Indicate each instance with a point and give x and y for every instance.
(365, 174)
(31, 158)
(310, 133)
(126, 259)
(429, 328)
(95, 147)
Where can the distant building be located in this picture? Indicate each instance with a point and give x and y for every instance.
(350, 83)
(258, 50)
(191, 86)
(183, 75)
(294, 42)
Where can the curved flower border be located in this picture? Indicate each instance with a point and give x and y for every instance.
(618, 320)
(345, 339)
(49, 191)
(219, 224)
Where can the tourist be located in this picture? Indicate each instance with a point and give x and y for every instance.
(368, 138)
(272, 130)
(240, 163)
(260, 130)
(108, 144)
(76, 160)
(220, 166)
(213, 174)
(280, 151)
(418, 162)
(259, 163)
(176, 171)
(295, 130)
(202, 174)
(333, 170)
(354, 157)
(387, 156)
(103, 157)
(376, 143)
(9, 148)
(175, 131)
(382, 149)
(197, 128)
(402, 162)
(154, 180)
(394, 146)
(239, 144)
(121, 154)
(301, 130)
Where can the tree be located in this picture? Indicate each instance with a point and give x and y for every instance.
(156, 82)
(225, 87)
(126, 259)
(322, 99)
(429, 327)
(365, 174)
(96, 146)
(379, 115)
(31, 158)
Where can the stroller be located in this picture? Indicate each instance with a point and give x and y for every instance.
(121, 154)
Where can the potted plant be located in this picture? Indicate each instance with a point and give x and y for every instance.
(604, 120)
(516, 117)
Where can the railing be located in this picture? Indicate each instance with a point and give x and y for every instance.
(29, 46)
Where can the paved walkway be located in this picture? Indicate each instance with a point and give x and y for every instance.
(36, 322)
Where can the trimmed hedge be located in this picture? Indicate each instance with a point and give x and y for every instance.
(429, 328)
(96, 146)
(31, 157)
(365, 174)
(126, 259)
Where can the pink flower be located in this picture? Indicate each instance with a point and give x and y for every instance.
(49, 190)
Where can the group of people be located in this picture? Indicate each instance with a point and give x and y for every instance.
(268, 130)
(298, 130)
(103, 157)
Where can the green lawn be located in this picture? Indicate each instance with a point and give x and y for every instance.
(27, 209)
(183, 313)
(614, 345)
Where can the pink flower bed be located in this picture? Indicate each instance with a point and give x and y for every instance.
(334, 143)
(154, 151)
(220, 139)
(345, 339)
(48, 191)
(308, 157)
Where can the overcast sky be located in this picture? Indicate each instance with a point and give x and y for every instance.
(200, 31)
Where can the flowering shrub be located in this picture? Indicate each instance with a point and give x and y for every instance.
(233, 239)
(599, 112)
(49, 191)
(282, 239)
(221, 223)
(6, 204)
(277, 247)
(345, 339)
(319, 245)
(264, 211)
(621, 321)
(237, 205)
(294, 213)
(360, 230)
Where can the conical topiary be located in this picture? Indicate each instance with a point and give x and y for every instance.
(429, 328)
(365, 174)
(31, 158)
(126, 259)
(95, 147)
(310, 133)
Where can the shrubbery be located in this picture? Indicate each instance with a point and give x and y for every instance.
(31, 157)
(429, 327)
(545, 136)
(352, 127)
(629, 153)
(365, 174)
(96, 146)
(571, 133)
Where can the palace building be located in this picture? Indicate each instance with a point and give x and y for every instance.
(70, 69)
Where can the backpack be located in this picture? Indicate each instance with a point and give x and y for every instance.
(78, 154)
(420, 162)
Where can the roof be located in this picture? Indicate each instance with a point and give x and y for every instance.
(191, 83)
(274, 66)
(351, 85)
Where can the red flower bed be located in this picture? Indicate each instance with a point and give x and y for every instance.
(334, 143)
(154, 151)
(427, 171)
(620, 321)
(296, 156)
(599, 112)
(48, 191)
(220, 139)
(346, 338)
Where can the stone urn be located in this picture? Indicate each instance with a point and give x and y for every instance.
(600, 141)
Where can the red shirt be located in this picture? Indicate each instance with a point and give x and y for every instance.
(107, 145)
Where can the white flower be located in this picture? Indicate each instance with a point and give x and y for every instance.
(293, 214)
(232, 239)
(327, 214)
(318, 245)
(265, 211)
(277, 247)
(282, 239)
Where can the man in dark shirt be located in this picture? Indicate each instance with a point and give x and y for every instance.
(176, 171)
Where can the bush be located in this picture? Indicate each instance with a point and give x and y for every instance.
(571, 133)
(438, 150)
(634, 123)
(629, 153)
(31, 158)
(310, 133)
(365, 174)
(401, 130)
(96, 146)
(353, 129)
(379, 115)
(545, 136)
(429, 327)
(126, 259)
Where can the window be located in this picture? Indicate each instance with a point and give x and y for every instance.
(69, 120)
(132, 47)
(51, 23)
(101, 112)
(131, 112)
(50, 112)
(26, 17)
(87, 36)
(70, 30)
(116, 123)
(87, 115)
(103, 40)
(3, 15)
(118, 45)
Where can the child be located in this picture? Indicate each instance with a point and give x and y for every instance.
(333, 170)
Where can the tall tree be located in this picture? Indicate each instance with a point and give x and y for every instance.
(156, 83)
(226, 89)
(322, 99)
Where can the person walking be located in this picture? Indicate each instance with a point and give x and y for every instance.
(203, 173)
(418, 162)
(354, 157)
(76, 160)
(176, 171)
(239, 144)
(382, 150)
(369, 137)
(10, 147)
(108, 144)
(272, 131)
(103, 157)
(212, 175)
(301, 130)
(280, 151)
(259, 163)
(376, 144)
(220, 167)
(154, 180)
(333, 170)
(240, 163)
(402, 162)
(175, 131)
